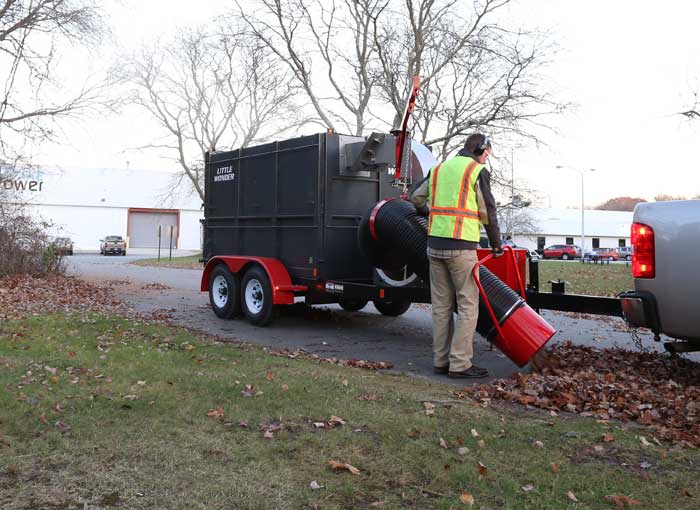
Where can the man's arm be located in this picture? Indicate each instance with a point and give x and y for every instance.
(419, 197)
(483, 188)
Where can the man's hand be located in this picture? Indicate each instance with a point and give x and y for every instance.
(497, 251)
(423, 210)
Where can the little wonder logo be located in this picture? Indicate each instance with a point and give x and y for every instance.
(224, 173)
(21, 185)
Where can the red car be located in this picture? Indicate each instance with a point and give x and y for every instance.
(606, 254)
(561, 251)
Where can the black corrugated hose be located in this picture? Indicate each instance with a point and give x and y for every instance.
(402, 240)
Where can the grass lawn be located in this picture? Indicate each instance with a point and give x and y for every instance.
(590, 279)
(100, 412)
(189, 262)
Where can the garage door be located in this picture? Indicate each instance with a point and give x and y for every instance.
(143, 228)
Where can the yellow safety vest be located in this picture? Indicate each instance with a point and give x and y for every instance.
(454, 210)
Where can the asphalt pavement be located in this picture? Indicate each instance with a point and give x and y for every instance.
(326, 330)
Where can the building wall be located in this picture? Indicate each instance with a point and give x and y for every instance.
(86, 225)
(87, 204)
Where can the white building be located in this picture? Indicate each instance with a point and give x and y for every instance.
(89, 204)
(602, 229)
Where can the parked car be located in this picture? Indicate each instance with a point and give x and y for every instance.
(607, 253)
(601, 254)
(625, 252)
(561, 251)
(62, 245)
(113, 244)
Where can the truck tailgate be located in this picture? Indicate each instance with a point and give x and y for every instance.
(676, 285)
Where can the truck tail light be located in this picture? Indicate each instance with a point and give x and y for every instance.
(643, 263)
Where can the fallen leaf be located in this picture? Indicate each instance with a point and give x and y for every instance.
(444, 444)
(371, 397)
(284, 387)
(268, 434)
(269, 376)
(555, 467)
(482, 469)
(71, 354)
(598, 448)
(344, 382)
(42, 418)
(481, 443)
(528, 488)
(320, 424)
(607, 438)
(474, 433)
(538, 444)
(429, 408)
(571, 496)
(62, 427)
(315, 486)
(54, 379)
(644, 441)
(377, 504)
(217, 414)
(621, 501)
(343, 466)
(58, 408)
(414, 434)
(249, 391)
(49, 369)
(466, 499)
(462, 451)
(336, 421)
(243, 424)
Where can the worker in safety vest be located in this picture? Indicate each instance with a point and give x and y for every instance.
(457, 196)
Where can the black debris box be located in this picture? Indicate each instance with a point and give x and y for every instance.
(298, 200)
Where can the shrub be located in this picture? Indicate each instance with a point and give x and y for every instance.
(25, 245)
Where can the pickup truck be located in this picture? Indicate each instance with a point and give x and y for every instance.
(113, 244)
(666, 270)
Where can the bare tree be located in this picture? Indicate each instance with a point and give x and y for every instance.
(32, 34)
(209, 89)
(516, 221)
(329, 46)
(476, 73)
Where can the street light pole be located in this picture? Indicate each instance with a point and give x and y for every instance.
(581, 172)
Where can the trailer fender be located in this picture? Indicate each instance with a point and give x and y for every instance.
(283, 291)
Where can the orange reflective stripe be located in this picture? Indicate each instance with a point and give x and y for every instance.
(453, 211)
(433, 183)
(458, 227)
(465, 189)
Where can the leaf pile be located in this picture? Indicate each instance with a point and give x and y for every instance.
(355, 363)
(611, 384)
(22, 295)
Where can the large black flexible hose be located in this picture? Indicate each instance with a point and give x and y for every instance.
(400, 239)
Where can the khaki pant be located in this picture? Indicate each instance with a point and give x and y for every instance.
(450, 274)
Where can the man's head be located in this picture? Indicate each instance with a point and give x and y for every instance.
(479, 145)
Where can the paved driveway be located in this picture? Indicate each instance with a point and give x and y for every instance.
(327, 330)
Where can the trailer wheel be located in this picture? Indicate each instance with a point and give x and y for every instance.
(352, 305)
(223, 292)
(256, 296)
(392, 308)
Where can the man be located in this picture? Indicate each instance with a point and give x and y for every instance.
(458, 192)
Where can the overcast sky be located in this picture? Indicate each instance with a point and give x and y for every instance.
(628, 66)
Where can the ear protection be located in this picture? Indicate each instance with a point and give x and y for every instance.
(481, 148)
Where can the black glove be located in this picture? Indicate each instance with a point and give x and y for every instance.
(423, 210)
(497, 251)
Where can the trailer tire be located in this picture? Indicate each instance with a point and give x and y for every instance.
(224, 295)
(352, 305)
(256, 296)
(392, 308)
